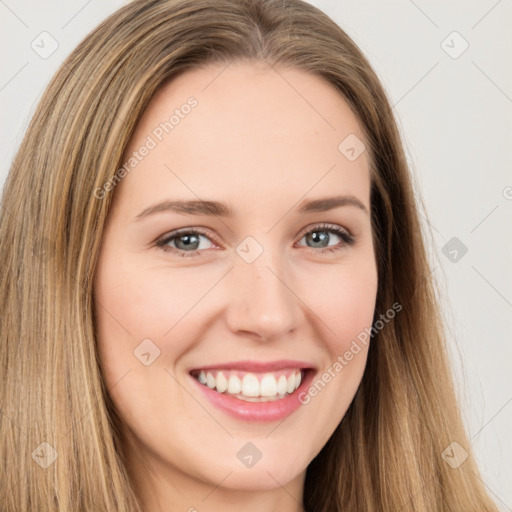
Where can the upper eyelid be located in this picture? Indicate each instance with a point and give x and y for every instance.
(324, 225)
(183, 231)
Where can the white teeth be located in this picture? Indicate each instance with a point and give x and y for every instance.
(210, 380)
(281, 385)
(250, 386)
(297, 380)
(290, 384)
(235, 385)
(222, 383)
(268, 386)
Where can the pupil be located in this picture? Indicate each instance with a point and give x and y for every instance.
(188, 240)
(318, 237)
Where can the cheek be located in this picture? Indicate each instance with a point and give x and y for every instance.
(140, 311)
(344, 300)
(355, 305)
(134, 303)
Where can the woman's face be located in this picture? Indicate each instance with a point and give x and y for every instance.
(272, 275)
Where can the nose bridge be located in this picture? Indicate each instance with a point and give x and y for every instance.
(261, 301)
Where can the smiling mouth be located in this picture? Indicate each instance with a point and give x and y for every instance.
(252, 386)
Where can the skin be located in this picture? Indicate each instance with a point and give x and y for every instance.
(261, 140)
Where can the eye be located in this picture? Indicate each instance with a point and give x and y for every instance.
(320, 236)
(185, 242)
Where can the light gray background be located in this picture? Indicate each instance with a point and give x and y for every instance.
(456, 122)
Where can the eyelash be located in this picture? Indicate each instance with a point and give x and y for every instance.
(346, 237)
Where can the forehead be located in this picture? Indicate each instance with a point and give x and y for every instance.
(254, 132)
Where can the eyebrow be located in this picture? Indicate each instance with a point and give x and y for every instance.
(329, 203)
(216, 208)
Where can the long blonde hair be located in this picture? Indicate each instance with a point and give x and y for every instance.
(59, 434)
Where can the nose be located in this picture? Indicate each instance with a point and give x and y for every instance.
(262, 303)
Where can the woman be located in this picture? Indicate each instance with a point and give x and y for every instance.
(294, 358)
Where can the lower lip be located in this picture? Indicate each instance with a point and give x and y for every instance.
(257, 411)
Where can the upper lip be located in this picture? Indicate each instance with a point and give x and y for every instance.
(257, 366)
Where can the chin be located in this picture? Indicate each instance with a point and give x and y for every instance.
(270, 472)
